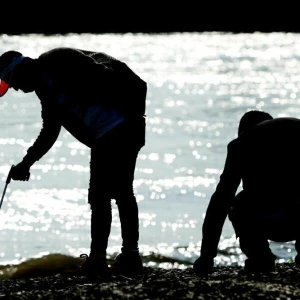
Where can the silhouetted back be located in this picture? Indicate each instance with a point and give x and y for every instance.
(270, 162)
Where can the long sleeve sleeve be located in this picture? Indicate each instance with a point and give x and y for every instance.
(220, 202)
(47, 136)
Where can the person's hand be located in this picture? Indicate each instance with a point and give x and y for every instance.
(203, 266)
(21, 172)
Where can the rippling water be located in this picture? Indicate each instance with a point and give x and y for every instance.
(199, 85)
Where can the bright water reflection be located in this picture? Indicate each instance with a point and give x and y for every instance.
(199, 85)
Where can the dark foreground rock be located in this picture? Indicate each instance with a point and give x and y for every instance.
(223, 283)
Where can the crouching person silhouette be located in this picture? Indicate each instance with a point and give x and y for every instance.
(265, 158)
(101, 102)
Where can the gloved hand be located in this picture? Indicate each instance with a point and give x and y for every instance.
(21, 172)
(203, 266)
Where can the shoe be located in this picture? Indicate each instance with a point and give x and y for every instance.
(259, 266)
(203, 266)
(90, 267)
(127, 264)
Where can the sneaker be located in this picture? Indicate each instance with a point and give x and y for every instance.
(203, 266)
(127, 264)
(89, 267)
(258, 266)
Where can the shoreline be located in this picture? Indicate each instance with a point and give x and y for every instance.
(151, 31)
(156, 283)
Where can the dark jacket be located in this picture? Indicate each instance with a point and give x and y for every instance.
(267, 162)
(83, 80)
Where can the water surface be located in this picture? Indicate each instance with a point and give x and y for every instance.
(199, 86)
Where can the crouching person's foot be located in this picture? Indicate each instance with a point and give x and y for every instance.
(127, 264)
(90, 267)
(203, 266)
(259, 265)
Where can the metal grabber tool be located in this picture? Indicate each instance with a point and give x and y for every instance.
(6, 183)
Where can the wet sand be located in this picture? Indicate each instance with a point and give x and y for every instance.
(155, 283)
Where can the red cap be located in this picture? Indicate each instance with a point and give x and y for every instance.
(8, 61)
(3, 87)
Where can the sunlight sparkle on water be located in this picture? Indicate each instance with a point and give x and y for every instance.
(199, 85)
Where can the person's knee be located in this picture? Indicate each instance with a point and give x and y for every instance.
(128, 200)
(97, 196)
(100, 204)
(241, 221)
(124, 194)
(281, 228)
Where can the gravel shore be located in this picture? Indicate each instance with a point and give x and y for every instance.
(155, 283)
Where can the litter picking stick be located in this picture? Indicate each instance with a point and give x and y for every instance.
(6, 184)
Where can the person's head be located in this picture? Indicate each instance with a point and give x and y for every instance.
(16, 71)
(251, 118)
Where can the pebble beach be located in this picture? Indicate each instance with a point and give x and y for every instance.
(156, 283)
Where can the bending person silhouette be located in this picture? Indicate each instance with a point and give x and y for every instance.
(101, 102)
(265, 158)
